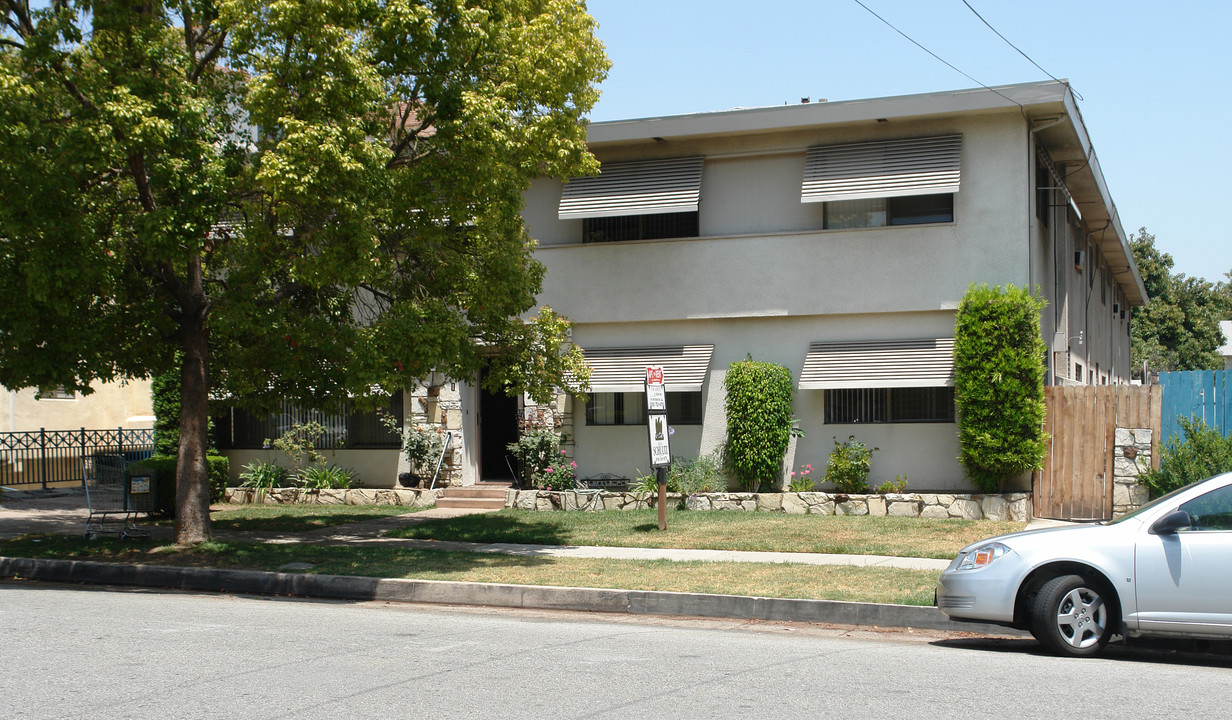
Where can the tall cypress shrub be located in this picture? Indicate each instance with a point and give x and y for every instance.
(165, 396)
(999, 384)
(759, 421)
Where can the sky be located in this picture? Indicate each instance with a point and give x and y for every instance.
(1154, 80)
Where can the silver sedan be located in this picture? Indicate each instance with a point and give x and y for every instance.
(1163, 570)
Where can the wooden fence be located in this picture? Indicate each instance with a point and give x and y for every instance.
(1076, 480)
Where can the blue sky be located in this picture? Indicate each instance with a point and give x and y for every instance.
(1155, 80)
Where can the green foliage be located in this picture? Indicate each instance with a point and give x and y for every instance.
(850, 463)
(423, 447)
(687, 476)
(264, 475)
(312, 201)
(558, 474)
(759, 421)
(535, 449)
(999, 384)
(1202, 453)
(898, 485)
(803, 480)
(1178, 329)
(327, 477)
(299, 445)
(165, 392)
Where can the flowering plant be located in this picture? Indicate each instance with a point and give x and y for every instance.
(802, 481)
(558, 475)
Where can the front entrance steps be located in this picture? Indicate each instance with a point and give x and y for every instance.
(487, 495)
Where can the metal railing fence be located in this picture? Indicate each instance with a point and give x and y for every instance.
(55, 457)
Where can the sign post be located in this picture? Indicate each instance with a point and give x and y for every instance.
(656, 420)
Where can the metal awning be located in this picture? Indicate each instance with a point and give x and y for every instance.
(879, 364)
(647, 187)
(882, 169)
(624, 369)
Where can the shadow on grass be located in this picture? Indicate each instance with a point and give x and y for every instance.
(499, 527)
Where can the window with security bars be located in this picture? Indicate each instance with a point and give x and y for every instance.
(239, 429)
(640, 227)
(629, 408)
(852, 406)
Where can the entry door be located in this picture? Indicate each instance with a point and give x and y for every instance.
(498, 426)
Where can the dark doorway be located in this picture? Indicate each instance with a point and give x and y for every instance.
(498, 426)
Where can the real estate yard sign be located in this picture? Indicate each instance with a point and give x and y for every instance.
(656, 420)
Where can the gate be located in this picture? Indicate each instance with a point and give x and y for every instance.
(1076, 480)
(1204, 394)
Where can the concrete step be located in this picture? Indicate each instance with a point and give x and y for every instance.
(475, 491)
(474, 503)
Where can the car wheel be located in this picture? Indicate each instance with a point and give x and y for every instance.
(1070, 616)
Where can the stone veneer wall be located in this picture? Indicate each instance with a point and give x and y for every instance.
(1009, 506)
(439, 407)
(1131, 457)
(356, 496)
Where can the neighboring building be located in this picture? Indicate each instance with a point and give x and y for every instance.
(124, 403)
(1225, 326)
(835, 239)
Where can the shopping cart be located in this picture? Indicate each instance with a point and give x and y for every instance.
(115, 496)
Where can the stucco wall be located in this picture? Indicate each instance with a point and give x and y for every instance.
(116, 404)
(376, 468)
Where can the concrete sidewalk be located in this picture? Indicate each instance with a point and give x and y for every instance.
(65, 513)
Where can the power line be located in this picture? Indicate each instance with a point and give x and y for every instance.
(1020, 52)
(935, 55)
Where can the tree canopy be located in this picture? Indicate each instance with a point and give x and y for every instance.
(1178, 329)
(309, 201)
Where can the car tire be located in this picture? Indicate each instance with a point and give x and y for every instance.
(1071, 616)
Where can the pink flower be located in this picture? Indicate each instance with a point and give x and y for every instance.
(573, 465)
(547, 469)
(562, 452)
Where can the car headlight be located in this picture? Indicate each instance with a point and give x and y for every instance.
(981, 556)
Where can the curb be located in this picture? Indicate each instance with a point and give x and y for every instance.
(444, 592)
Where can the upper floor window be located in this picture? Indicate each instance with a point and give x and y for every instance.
(639, 227)
(884, 183)
(643, 200)
(880, 212)
(57, 392)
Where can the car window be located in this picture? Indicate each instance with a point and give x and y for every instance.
(1212, 511)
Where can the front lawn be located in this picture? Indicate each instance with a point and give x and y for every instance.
(298, 518)
(718, 530)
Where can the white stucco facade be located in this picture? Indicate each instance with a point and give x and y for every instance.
(764, 278)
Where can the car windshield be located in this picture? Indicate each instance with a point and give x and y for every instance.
(1153, 503)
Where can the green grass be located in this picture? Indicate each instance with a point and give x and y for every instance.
(717, 530)
(298, 518)
(882, 585)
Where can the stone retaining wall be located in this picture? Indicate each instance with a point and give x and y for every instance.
(1009, 506)
(358, 496)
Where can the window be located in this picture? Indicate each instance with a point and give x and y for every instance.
(55, 393)
(640, 227)
(1210, 512)
(239, 429)
(889, 405)
(1078, 371)
(881, 212)
(629, 408)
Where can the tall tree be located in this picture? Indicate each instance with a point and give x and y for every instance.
(310, 201)
(1178, 329)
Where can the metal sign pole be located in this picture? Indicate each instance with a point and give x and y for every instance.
(660, 451)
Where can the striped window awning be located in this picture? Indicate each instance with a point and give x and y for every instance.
(882, 169)
(879, 364)
(624, 369)
(647, 187)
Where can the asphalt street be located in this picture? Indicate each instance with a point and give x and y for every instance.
(70, 652)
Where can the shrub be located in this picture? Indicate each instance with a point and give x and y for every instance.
(219, 468)
(897, 486)
(560, 474)
(423, 447)
(299, 445)
(1204, 452)
(803, 480)
(759, 422)
(999, 384)
(534, 450)
(702, 474)
(326, 477)
(850, 463)
(263, 475)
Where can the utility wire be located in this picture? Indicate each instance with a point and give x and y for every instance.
(935, 55)
(1020, 52)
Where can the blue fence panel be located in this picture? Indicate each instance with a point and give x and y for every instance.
(1204, 394)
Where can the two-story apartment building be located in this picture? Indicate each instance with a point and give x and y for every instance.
(836, 239)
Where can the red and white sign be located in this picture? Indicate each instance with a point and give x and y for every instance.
(654, 375)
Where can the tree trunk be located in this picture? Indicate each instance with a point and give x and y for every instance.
(192, 487)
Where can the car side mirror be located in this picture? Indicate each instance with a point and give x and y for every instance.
(1170, 523)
